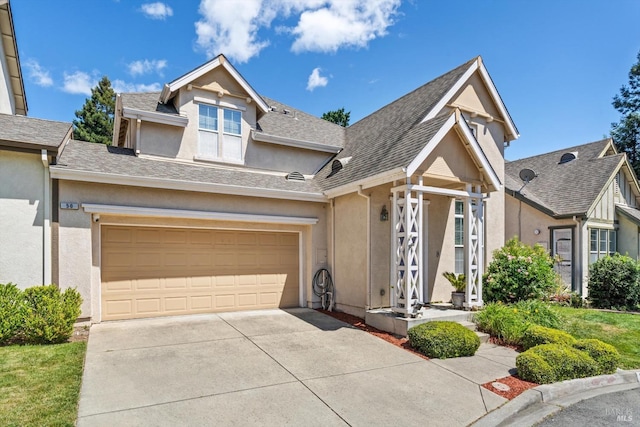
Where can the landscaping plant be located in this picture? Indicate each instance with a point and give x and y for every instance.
(549, 363)
(11, 311)
(614, 282)
(441, 339)
(519, 272)
(50, 314)
(605, 355)
(536, 335)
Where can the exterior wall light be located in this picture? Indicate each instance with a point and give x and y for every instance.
(384, 214)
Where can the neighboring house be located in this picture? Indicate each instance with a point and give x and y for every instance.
(581, 204)
(27, 147)
(215, 198)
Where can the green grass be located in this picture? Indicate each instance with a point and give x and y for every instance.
(621, 330)
(40, 385)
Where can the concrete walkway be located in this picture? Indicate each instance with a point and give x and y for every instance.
(293, 367)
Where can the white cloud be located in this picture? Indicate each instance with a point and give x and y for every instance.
(120, 86)
(316, 80)
(78, 83)
(145, 66)
(343, 23)
(322, 25)
(37, 74)
(157, 10)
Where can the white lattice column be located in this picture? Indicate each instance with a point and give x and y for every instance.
(407, 245)
(473, 239)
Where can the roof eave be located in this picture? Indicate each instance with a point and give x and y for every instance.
(13, 63)
(290, 142)
(155, 117)
(372, 181)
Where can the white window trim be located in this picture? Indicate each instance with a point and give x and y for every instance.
(598, 253)
(221, 106)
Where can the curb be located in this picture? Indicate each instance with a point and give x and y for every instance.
(537, 403)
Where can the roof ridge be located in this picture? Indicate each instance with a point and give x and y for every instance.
(20, 116)
(560, 150)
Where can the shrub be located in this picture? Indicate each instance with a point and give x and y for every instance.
(441, 339)
(50, 314)
(565, 362)
(519, 272)
(11, 311)
(532, 367)
(605, 355)
(502, 322)
(614, 282)
(538, 312)
(536, 335)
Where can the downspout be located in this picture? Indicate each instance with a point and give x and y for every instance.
(361, 194)
(580, 255)
(138, 142)
(333, 247)
(46, 219)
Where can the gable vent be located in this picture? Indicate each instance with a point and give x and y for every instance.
(567, 157)
(337, 165)
(273, 108)
(295, 176)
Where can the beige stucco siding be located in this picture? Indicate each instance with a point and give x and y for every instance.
(79, 236)
(350, 271)
(262, 155)
(522, 220)
(628, 237)
(451, 161)
(163, 140)
(21, 218)
(380, 246)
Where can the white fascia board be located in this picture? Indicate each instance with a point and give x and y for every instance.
(204, 69)
(511, 127)
(431, 145)
(477, 152)
(173, 184)
(191, 214)
(373, 181)
(438, 190)
(454, 89)
(290, 142)
(152, 116)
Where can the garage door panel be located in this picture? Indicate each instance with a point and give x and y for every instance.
(156, 271)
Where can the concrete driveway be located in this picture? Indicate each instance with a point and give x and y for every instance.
(276, 367)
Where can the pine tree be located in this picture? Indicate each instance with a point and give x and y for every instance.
(338, 117)
(95, 120)
(626, 133)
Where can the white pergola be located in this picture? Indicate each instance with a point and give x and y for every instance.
(407, 243)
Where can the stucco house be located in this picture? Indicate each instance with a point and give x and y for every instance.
(581, 204)
(213, 197)
(27, 147)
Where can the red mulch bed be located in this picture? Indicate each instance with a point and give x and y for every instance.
(515, 384)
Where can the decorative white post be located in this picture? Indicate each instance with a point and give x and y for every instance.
(407, 245)
(474, 239)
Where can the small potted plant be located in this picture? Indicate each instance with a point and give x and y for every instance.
(459, 283)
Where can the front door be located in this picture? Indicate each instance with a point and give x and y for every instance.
(563, 248)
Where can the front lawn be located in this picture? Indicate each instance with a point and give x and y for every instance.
(621, 330)
(40, 385)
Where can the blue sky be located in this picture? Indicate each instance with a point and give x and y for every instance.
(556, 64)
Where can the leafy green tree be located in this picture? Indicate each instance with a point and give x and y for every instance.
(94, 121)
(339, 117)
(626, 133)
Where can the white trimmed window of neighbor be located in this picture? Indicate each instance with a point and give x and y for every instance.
(602, 242)
(459, 237)
(215, 142)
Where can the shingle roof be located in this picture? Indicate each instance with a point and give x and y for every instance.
(389, 137)
(28, 131)
(569, 188)
(299, 125)
(147, 101)
(91, 157)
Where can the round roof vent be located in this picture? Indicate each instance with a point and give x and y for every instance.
(567, 157)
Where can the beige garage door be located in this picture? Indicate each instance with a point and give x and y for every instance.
(149, 272)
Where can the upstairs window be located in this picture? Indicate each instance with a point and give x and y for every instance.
(215, 145)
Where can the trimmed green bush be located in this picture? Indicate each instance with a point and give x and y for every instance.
(605, 355)
(50, 314)
(502, 322)
(442, 339)
(532, 367)
(518, 272)
(614, 282)
(11, 311)
(536, 335)
(566, 363)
